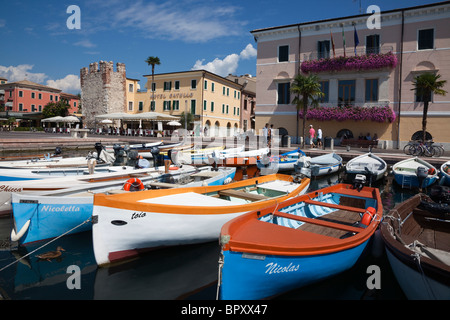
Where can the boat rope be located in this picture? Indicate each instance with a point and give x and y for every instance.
(416, 257)
(219, 276)
(60, 236)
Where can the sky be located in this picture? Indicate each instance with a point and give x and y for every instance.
(44, 42)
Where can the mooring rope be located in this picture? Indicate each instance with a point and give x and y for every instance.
(60, 236)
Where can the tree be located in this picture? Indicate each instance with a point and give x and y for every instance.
(307, 90)
(53, 109)
(189, 120)
(425, 84)
(152, 61)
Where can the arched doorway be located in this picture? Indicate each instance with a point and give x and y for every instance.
(216, 128)
(207, 129)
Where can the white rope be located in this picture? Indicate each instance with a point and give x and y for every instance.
(45, 245)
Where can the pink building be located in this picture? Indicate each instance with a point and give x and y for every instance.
(375, 74)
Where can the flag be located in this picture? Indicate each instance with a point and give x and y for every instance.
(343, 38)
(356, 38)
(332, 45)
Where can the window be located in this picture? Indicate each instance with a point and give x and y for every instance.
(130, 105)
(33, 108)
(176, 105)
(212, 86)
(166, 105)
(167, 85)
(152, 105)
(40, 108)
(346, 92)
(51, 97)
(223, 108)
(204, 105)
(193, 106)
(212, 106)
(371, 90)
(283, 53)
(325, 88)
(141, 105)
(425, 39)
(323, 49)
(194, 84)
(228, 107)
(177, 85)
(130, 87)
(21, 94)
(20, 106)
(56, 98)
(206, 85)
(373, 44)
(153, 86)
(33, 95)
(74, 103)
(228, 92)
(245, 104)
(284, 94)
(40, 96)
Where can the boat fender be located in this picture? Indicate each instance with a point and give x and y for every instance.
(16, 236)
(431, 171)
(133, 184)
(368, 216)
(173, 168)
(227, 180)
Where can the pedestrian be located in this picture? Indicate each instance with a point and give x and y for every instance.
(269, 136)
(312, 134)
(319, 138)
(265, 133)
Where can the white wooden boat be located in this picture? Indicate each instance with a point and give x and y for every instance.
(369, 164)
(126, 224)
(44, 216)
(320, 165)
(414, 173)
(279, 163)
(237, 156)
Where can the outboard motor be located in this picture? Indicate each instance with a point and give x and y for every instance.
(120, 155)
(359, 182)
(133, 157)
(155, 153)
(98, 147)
(57, 151)
(421, 174)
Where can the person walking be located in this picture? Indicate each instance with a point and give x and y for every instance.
(319, 138)
(312, 134)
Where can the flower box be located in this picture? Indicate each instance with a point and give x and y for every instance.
(376, 114)
(353, 63)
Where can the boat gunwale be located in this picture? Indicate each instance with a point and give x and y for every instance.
(131, 201)
(306, 243)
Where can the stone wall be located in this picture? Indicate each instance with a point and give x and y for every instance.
(103, 90)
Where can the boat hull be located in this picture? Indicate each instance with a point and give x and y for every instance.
(251, 276)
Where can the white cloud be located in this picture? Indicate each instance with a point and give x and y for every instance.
(70, 83)
(181, 20)
(85, 43)
(228, 65)
(21, 72)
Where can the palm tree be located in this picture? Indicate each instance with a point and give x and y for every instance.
(424, 85)
(152, 61)
(308, 87)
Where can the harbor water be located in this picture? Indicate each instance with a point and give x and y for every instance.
(186, 272)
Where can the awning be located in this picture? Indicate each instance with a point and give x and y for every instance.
(70, 119)
(137, 116)
(53, 119)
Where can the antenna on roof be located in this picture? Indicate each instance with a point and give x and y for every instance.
(360, 8)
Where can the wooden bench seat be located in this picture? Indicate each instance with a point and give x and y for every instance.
(359, 143)
(242, 195)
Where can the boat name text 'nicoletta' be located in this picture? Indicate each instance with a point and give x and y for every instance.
(5, 188)
(136, 215)
(60, 208)
(276, 268)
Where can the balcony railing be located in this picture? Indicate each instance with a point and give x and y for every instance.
(349, 52)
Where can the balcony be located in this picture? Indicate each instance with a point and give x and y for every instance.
(349, 52)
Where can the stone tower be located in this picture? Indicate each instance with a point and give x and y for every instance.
(103, 90)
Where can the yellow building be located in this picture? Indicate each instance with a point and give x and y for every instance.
(213, 100)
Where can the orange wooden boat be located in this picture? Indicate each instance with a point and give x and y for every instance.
(296, 242)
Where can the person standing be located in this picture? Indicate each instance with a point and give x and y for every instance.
(319, 138)
(265, 133)
(269, 136)
(312, 134)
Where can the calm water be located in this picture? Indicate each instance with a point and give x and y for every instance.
(188, 272)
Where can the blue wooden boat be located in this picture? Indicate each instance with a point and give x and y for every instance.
(445, 174)
(414, 173)
(283, 162)
(39, 217)
(297, 242)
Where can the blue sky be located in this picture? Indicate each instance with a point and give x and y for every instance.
(184, 34)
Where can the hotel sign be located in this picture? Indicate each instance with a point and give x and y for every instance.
(172, 95)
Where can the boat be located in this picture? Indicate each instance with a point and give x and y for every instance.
(237, 156)
(369, 164)
(445, 174)
(414, 173)
(279, 163)
(125, 225)
(417, 242)
(320, 165)
(139, 146)
(300, 241)
(45, 216)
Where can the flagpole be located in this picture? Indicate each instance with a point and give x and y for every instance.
(332, 44)
(355, 37)
(343, 38)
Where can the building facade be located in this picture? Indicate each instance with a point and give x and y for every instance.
(29, 97)
(248, 100)
(103, 90)
(214, 101)
(362, 69)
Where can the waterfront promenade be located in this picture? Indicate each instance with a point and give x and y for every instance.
(16, 143)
